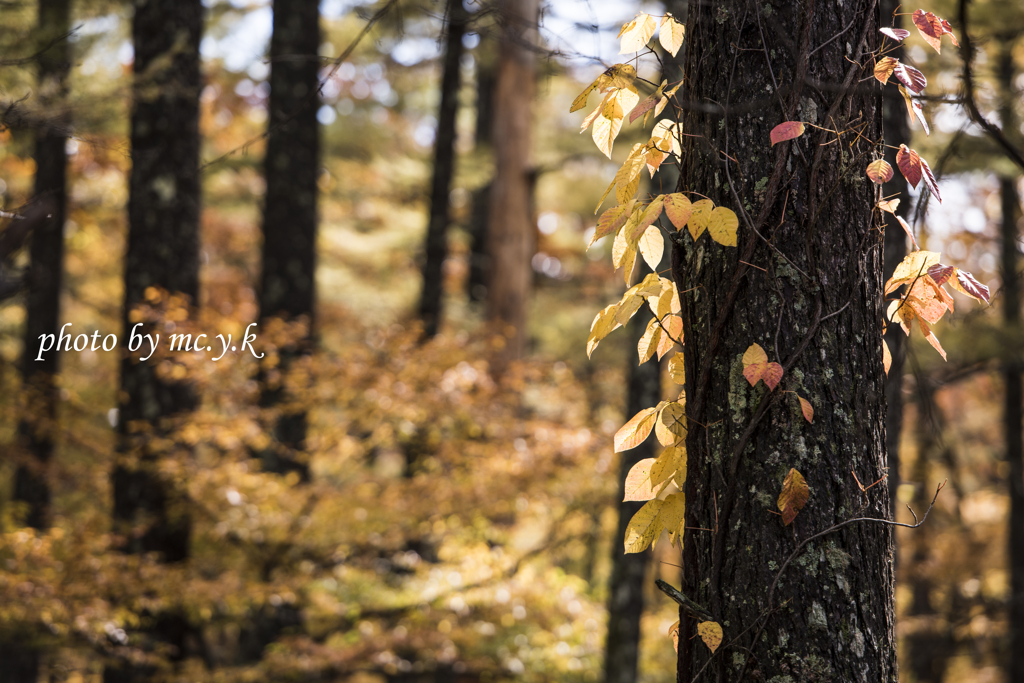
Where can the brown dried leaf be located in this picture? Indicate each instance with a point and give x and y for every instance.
(793, 497)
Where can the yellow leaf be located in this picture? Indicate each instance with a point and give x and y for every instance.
(793, 497)
(664, 136)
(673, 325)
(603, 325)
(671, 35)
(637, 33)
(650, 215)
(611, 220)
(671, 464)
(638, 481)
(670, 428)
(644, 527)
(649, 342)
(722, 226)
(619, 248)
(711, 633)
(700, 214)
(916, 264)
(627, 178)
(652, 246)
(628, 308)
(633, 433)
(606, 128)
(676, 370)
(581, 99)
(594, 114)
(673, 512)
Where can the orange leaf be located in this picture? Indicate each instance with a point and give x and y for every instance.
(879, 171)
(889, 205)
(793, 497)
(771, 375)
(786, 131)
(673, 633)
(886, 357)
(677, 208)
(807, 409)
(914, 109)
(884, 68)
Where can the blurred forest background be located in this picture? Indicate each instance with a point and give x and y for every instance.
(404, 489)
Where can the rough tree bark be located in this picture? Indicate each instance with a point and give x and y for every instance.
(444, 164)
(897, 132)
(150, 513)
(287, 287)
(510, 223)
(813, 300)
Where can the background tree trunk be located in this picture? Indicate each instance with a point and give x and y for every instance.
(46, 263)
(1013, 406)
(162, 252)
(510, 223)
(444, 164)
(1013, 421)
(834, 611)
(287, 287)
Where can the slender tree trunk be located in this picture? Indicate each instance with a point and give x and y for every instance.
(444, 164)
(813, 301)
(38, 424)
(150, 513)
(897, 131)
(479, 257)
(287, 288)
(1013, 367)
(46, 262)
(1013, 421)
(510, 223)
(626, 588)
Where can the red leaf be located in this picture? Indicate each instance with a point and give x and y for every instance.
(970, 286)
(941, 273)
(932, 29)
(910, 77)
(910, 165)
(929, 180)
(787, 131)
(897, 34)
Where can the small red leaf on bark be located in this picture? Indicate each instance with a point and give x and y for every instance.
(787, 131)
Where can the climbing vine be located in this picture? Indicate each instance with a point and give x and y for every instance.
(639, 226)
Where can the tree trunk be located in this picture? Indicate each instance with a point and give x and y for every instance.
(444, 164)
(1013, 368)
(162, 254)
(46, 263)
(1013, 423)
(290, 217)
(510, 224)
(897, 132)
(626, 588)
(830, 615)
